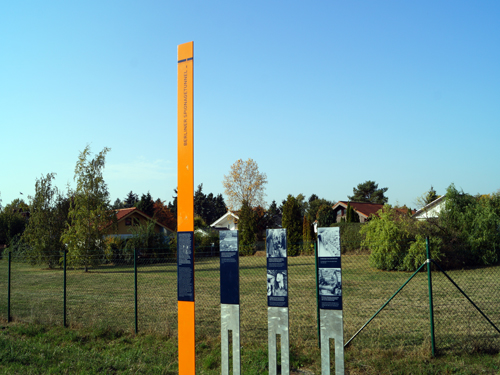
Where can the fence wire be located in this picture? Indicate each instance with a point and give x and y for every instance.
(106, 295)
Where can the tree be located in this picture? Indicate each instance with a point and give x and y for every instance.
(118, 204)
(172, 206)
(89, 211)
(307, 234)
(314, 205)
(164, 216)
(208, 207)
(431, 196)
(244, 183)
(396, 241)
(131, 199)
(46, 224)
(18, 206)
(146, 204)
(369, 192)
(326, 216)
(145, 239)
(351, 215)
(471, 223)
(247, 227)
(426, 198)
(272, 217)
(292, 221)
(12, 224)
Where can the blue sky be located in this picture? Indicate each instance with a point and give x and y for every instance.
(322, 95)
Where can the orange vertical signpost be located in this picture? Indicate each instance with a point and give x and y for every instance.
(185, 209)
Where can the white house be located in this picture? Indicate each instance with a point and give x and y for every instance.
(227, 222)
(432, 210)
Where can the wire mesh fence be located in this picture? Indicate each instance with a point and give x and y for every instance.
(119, 295)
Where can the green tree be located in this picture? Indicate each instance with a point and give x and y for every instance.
(397, 242)
(245, 183)
(271, 218)
(351, 215)
(13, 220)
(46, 224)
(89, 211)
(208, 207)
(146, 204)
(247, 227)
(118, 204)
(472, 223)
(369, 191)
(308, 236)
(145, 239)
(431, 196)
(426, 198)
(326, 216)
(314, 205)
(292, 221)
(172, 206)
(131, 199)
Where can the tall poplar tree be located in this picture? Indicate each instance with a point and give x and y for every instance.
(247, 227)
(292, 221)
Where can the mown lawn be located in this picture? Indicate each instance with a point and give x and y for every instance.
(100, 308)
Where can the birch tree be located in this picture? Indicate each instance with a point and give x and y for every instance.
(245, 183)
(89, 212)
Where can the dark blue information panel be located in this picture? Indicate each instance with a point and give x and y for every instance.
(329, 269)
(229, 267)
(185, 266)
(277, 270)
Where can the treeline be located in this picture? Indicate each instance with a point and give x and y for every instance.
(79, 220)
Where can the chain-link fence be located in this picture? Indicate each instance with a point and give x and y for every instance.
(121, 294)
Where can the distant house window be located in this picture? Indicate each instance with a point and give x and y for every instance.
(128, 221)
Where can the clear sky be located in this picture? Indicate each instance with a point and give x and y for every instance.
(322, 95)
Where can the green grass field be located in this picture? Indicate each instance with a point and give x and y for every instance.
(103, 300)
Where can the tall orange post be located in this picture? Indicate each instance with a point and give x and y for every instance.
(185, 209)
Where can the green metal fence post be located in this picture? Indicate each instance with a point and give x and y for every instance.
(8, 290)
(431, 305)
(317, 295)
(64, 291)
(135, 290)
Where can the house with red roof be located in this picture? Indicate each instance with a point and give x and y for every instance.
(127, 218)
(363, 209)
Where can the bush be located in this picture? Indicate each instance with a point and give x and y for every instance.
(207, 242)
(397, 242)
(351, 238)
(471, 227)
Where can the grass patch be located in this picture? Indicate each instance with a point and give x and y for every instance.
(100, 307)
(37, 349)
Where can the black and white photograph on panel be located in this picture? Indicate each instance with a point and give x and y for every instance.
(330, 283)
(277, 285)
(228, 240)
(276, 243)
(329, 242)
